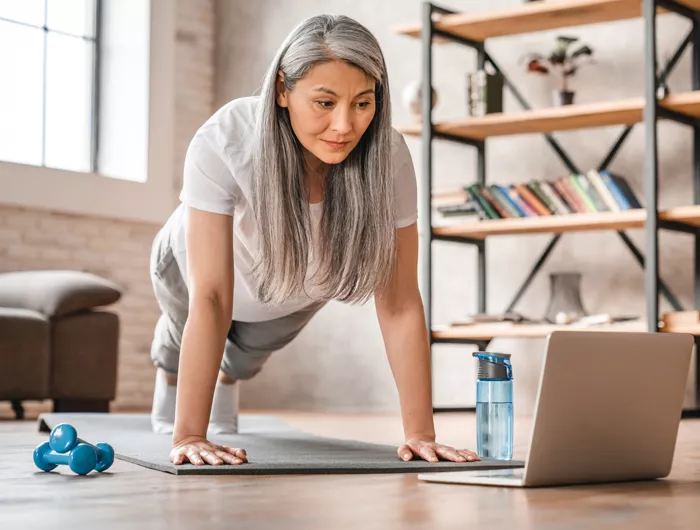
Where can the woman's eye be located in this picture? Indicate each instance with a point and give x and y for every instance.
(325, 104)
(364, 104)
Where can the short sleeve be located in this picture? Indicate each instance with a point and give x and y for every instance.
(208, 183)
(405, 186)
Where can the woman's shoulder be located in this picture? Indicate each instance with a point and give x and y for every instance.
(399, 150)
(237, 113)
(231, 127)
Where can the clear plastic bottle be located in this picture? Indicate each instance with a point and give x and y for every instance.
(494, 406)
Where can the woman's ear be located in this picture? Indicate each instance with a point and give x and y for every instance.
(281, 90)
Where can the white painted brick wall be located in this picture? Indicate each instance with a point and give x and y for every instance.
(119, 251)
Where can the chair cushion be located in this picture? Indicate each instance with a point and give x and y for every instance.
(55, 293)
(84, 354)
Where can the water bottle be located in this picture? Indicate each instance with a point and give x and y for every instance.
(494, 406)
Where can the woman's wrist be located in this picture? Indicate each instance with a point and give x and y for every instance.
(183, 433)
(423, 436)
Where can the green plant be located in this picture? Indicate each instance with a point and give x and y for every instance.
(561, 60)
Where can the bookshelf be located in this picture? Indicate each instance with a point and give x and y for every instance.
(439, 25)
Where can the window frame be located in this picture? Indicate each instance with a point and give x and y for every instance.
(94, 72)
(94, 194)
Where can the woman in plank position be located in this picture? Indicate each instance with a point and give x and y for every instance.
(290, 199)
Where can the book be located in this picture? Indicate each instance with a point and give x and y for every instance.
(532, 200)
(601, 319)
(501, 194)
(565, 189)
(615, 191)
(561, 207)
(502, 212)
(476, 195)
(485, 204)
(490, 318)
(477, 206)
(457, 209)
(603, 191)
(502, 202)
(626, 190)
(597, 201)
(581, 194)
(525, 207)
(537, 191)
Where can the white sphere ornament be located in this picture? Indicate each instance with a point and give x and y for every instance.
(412, 98)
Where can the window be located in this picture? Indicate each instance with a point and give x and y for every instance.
(131, 175)
(48, 73)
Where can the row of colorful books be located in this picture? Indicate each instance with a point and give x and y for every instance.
(576, 193)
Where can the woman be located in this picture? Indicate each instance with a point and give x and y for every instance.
(299, 196)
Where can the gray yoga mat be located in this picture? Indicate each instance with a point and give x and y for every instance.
(273, 447)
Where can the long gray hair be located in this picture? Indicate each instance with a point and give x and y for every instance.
(357, 238)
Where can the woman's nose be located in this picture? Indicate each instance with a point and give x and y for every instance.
(341, 123)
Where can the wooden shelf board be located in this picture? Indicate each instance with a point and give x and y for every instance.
(551, 119)
(544, 120)
(577, 222)
(689, 215)
(550, 224)
(508, 330)
(535, 16)
(684, 102)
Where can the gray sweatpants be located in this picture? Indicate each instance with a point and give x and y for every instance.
(248, 344)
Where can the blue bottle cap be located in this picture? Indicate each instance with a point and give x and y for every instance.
(494, 366)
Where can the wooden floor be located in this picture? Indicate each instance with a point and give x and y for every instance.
(130, 497)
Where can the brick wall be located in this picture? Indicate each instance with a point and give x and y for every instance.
(194, 73)
(119, 251)
(116, 250)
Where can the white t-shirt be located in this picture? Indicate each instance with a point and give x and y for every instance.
(217, 178)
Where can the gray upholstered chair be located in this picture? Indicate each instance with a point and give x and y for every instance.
(54, 343)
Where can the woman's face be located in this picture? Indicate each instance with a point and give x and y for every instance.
(330, 109)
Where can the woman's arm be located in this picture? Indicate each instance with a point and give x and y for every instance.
(210, 277)
(402, 322)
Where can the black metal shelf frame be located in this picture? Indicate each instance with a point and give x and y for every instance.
(653, 284)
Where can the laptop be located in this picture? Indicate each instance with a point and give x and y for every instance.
(607, 410)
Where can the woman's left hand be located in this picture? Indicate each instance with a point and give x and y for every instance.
(431, 451)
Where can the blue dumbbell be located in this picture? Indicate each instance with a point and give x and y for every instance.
(64, 437)
(81, 459)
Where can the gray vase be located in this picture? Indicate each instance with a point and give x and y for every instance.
(565, 304)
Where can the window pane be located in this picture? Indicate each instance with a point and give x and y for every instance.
(21, 51)
(71, 16)
(68, 102)
(27, 11)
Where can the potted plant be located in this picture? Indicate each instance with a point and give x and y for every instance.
(564, 62)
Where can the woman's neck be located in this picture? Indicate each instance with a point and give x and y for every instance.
(312, 163)
(315, 172)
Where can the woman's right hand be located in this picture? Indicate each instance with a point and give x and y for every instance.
(199, 450)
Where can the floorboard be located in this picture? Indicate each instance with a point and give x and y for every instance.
(133, 497)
